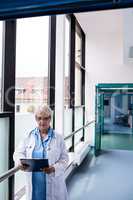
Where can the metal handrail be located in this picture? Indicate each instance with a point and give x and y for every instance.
(9, 173)
(13, 170)
(74, 132)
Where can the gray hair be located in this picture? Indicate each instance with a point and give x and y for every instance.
(44, 109)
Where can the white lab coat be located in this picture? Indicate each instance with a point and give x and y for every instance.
(57, 156)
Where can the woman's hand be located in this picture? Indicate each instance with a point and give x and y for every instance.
(48, 170)
(23, 167)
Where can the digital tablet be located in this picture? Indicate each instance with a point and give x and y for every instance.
(34, 164)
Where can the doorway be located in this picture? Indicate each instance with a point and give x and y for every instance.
(114, 117)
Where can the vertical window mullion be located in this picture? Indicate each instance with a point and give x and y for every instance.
(72, 74)
(83, 81)
(51, 69)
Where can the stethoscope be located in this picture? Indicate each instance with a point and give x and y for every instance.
(47, 147)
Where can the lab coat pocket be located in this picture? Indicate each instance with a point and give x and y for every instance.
(53, 156)
(29, 150)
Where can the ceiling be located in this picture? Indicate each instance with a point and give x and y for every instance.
(109, 21)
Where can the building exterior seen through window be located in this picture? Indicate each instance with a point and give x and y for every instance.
(31, 63)
(67, 63)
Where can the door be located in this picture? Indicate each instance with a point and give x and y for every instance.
(99, 120)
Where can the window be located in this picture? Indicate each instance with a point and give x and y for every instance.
(31, 77)
(79, 85)
(4, 155)
(32, 63)
(67, 63)
(78, 47)
(78, 65)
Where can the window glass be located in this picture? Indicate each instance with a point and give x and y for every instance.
(1, 30)
(31, 63)
(78, 65)
(68, 126)
(78, 124)
(78, 48)
(67, 63)
(78, 79)
(4, 154)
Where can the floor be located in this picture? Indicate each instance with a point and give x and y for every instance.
(117, 141)
(116, 128)
(116, 136)
(108, 177)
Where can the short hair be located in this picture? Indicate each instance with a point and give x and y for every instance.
(44, 109)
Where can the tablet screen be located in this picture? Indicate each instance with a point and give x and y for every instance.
(34, 164)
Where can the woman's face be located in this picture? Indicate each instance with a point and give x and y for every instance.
(43, 121)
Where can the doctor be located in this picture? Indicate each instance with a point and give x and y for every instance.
(44, 142)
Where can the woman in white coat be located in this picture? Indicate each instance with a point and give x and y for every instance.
(44, 142)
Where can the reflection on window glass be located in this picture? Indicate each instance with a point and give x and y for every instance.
(1, 23)
(78, 65)
(78, 48)
(31, 63)
(67, 63)
(78, 78)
